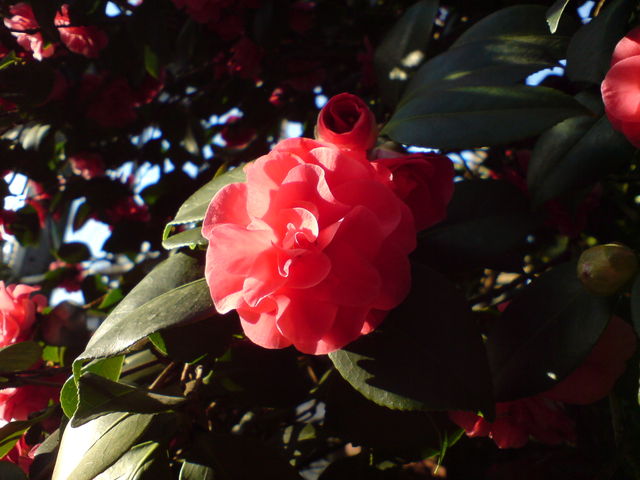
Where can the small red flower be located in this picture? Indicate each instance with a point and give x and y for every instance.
(84, 40)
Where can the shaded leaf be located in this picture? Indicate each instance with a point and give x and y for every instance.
(73, 252)
(465, 117)
(544, 334)
(19, 356)
(414, 342)
(99, 396)
(403, 48)
(486, 226)
(589, 53)
(11, 471)
(186, 343)
(575, 153)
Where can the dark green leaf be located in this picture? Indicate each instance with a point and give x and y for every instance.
(465, 117)
(90, 449)
(403, 48)
(11, 471)
(74, 252)
(514, 20)
(544, 334)
(240, 458)
(258, 376)
(188, 238)
(187, 343)
(127, 323)
(414, 342)
(555, 13)
(575, 153)
(589, 53)
(99, 396)
(19, 356)
(486, 227)
(353, 418)
(188, 303)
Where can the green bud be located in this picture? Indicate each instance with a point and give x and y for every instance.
(605, 269)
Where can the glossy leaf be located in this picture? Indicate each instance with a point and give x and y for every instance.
(544, 334)
(146, 460)
(465, 117)
(486, 227)
(412, 343)
(575, 153)
(90, 449)
(99, 396)
(11, 433)
(142, 311)
(513, 20)
(19, 356)
(73, 252)
(589, 53)
(403, 48)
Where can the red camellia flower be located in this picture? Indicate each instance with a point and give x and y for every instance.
(516, 421)
(311, 250)
(542, 416)
(18, 309)
(621, 90)
(18, 403)
(347, 122)
(88, 165)
(22, 454)
(423, 181)
(111, 101)
(23, 24)
(84, 40)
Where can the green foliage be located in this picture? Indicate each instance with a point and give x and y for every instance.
(589, 53)
(412, 343)
(164, 298)
(19, 356)
(487, 225)
(403, 48)
(470, 116)
(584, 144)
(544, 334)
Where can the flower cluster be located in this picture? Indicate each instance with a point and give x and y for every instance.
(313, 249)
(542, 416)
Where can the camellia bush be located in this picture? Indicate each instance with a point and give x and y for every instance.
(322, 239)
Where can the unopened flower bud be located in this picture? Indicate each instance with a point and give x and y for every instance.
(605, 269)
